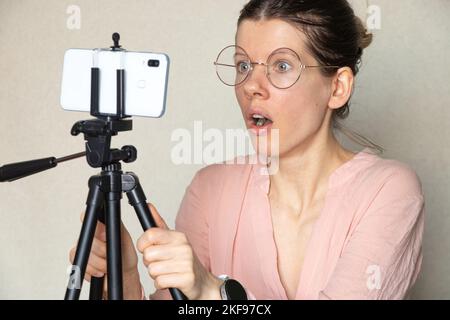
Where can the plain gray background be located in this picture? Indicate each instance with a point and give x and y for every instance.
(401, 102)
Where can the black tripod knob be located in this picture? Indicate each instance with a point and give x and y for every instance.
(131, 152)
(115, 38)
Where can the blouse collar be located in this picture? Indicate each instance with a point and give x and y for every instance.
(337, 177)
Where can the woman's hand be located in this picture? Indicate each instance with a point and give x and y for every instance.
(172, 263)
(97, 260)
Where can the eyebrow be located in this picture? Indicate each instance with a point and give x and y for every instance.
(280, 48)
(240, 54)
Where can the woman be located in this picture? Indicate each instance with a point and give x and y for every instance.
(329, 223)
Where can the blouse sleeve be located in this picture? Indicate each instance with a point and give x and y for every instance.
(191, 220)
(383, 256)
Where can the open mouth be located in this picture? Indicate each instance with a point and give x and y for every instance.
(260, 121)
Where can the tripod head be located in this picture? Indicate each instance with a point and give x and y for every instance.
(98, 133)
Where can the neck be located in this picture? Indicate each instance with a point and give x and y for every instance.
(302, 178)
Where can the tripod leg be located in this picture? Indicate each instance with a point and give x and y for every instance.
(113, 246)
(96, 289)
(137, 199)
(94, 201)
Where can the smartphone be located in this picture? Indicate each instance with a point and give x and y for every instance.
(146, 81)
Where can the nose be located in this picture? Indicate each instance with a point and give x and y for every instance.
(256, 83)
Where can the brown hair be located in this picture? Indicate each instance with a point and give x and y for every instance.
(337, 37)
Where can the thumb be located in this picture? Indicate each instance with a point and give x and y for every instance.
(158, 219)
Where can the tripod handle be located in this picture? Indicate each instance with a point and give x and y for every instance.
(14, 171)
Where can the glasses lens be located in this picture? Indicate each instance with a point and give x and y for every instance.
(232, 65)
(284, 68)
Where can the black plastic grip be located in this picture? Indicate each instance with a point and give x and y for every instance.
(15, 171)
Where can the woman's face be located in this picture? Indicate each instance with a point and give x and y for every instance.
(299, 112)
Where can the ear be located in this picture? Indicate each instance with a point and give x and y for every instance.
(342, 88)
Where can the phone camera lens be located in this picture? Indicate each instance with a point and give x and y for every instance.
(153, 63)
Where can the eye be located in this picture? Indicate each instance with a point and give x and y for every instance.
(243, 66)
(282, 66)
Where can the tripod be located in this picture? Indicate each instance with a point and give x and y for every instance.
(103, 204)
(105, 190)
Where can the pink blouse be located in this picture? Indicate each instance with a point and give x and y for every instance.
(366, 243)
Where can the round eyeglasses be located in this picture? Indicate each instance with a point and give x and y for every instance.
(283, 67)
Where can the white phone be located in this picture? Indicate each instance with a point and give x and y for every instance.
(146, 80)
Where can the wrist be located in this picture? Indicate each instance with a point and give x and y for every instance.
(132, 288)
(211, 290)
